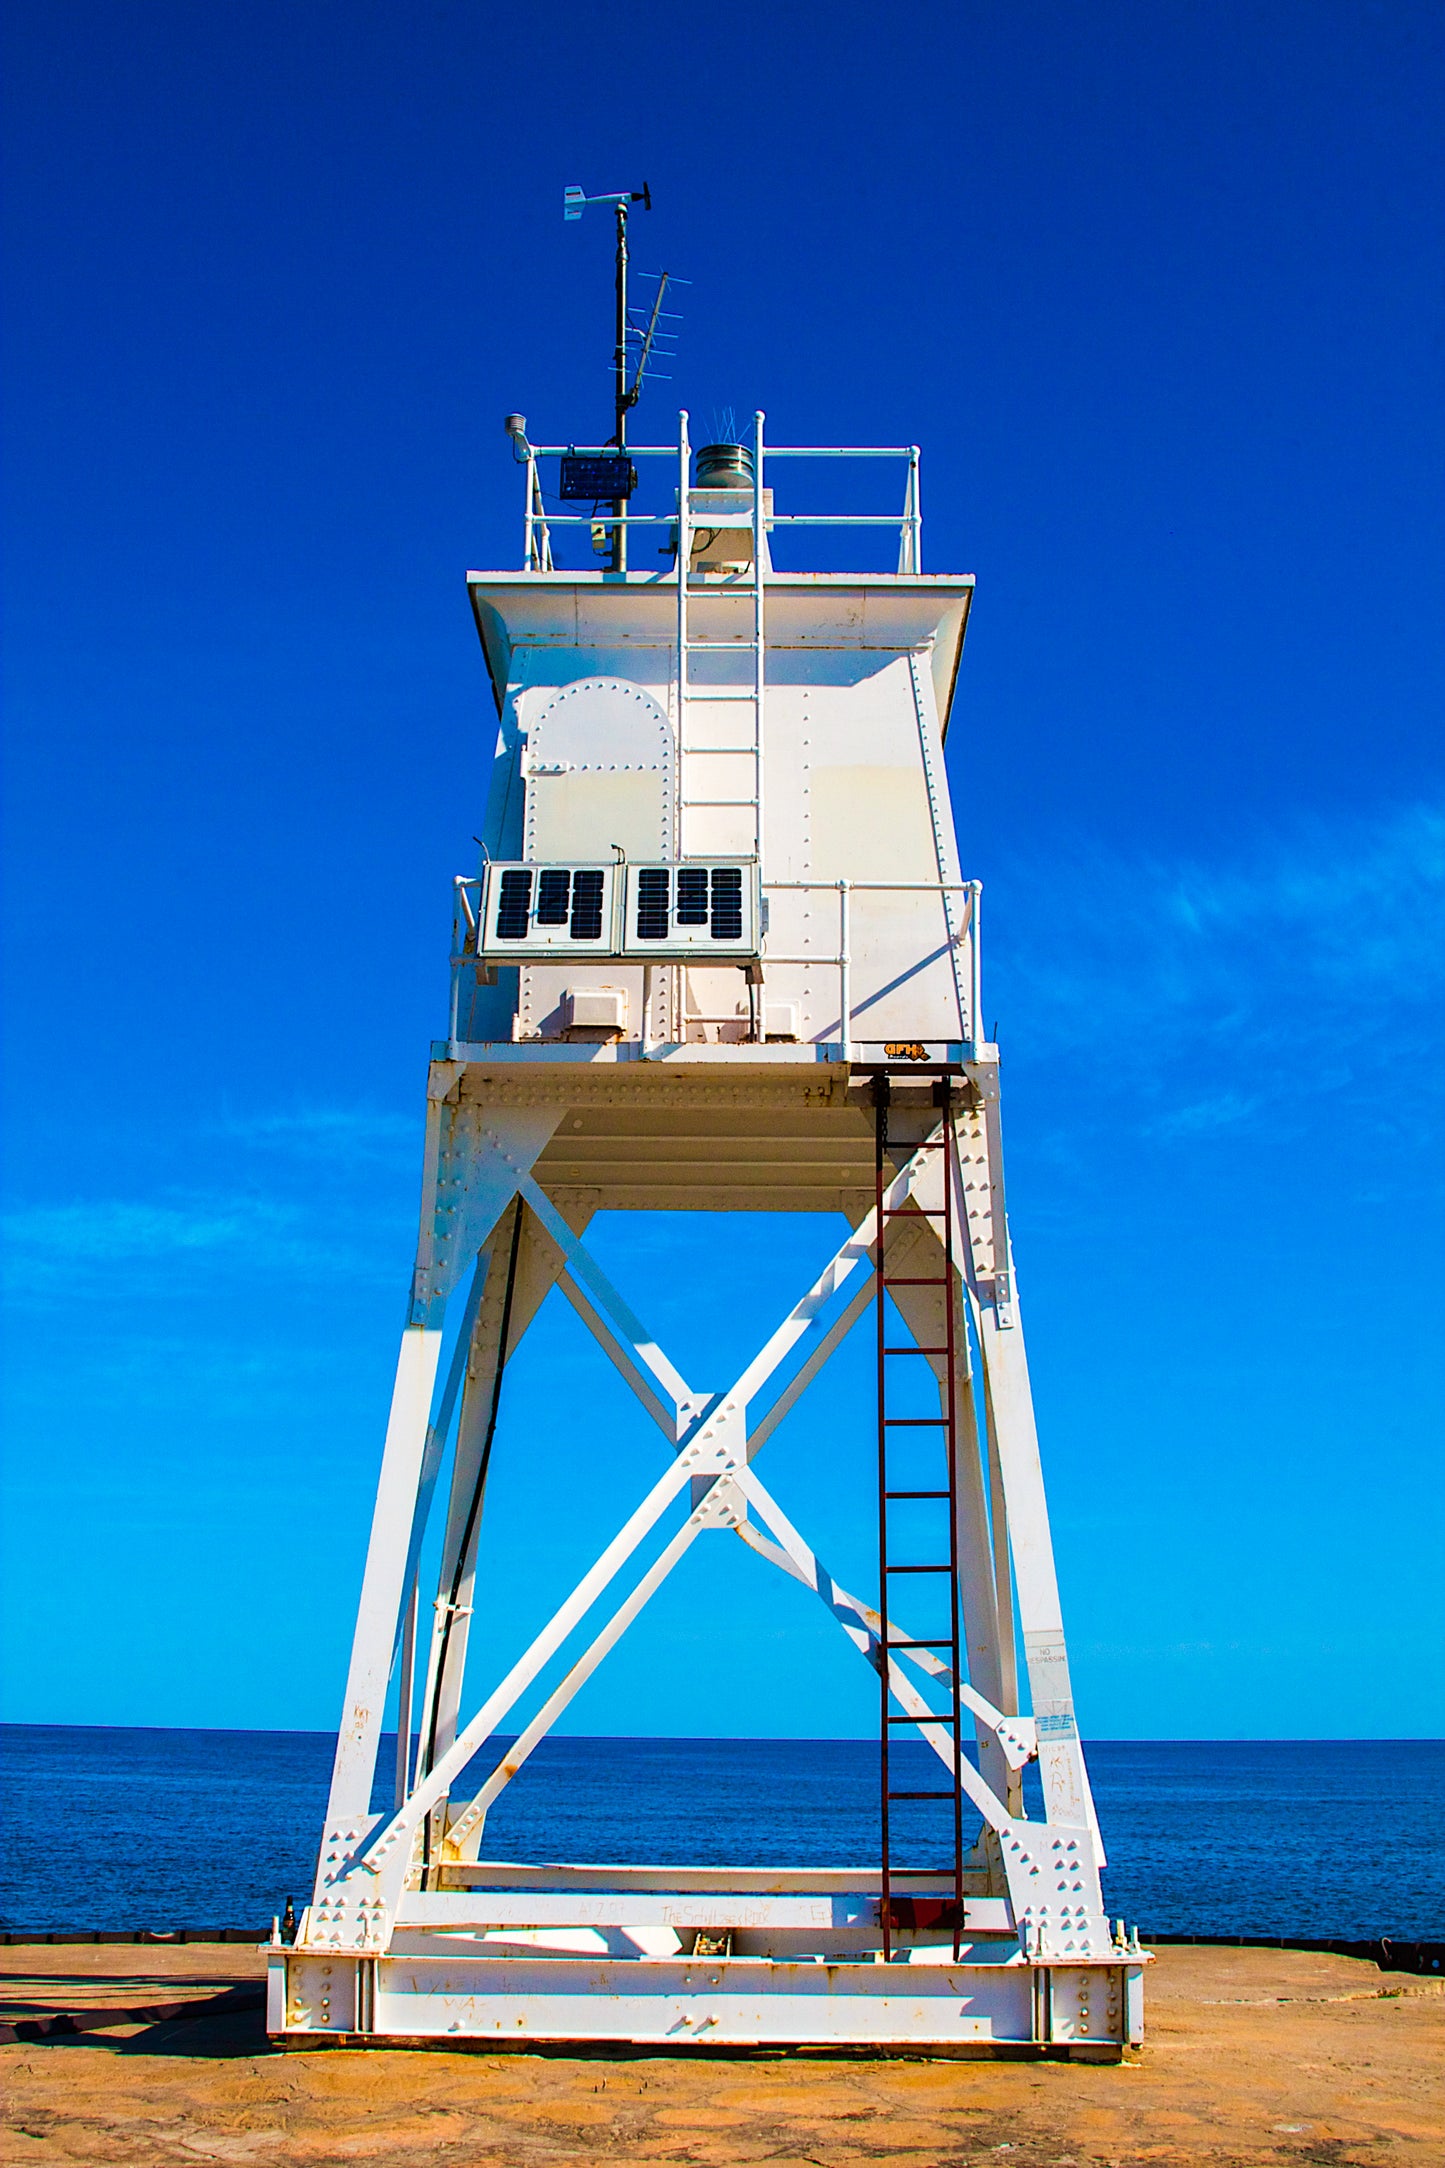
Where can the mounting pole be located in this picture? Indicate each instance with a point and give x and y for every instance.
(622, 400)
(574, 202)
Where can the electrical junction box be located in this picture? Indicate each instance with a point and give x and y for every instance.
(721, 528)
(602, 1009)
(700, 911)
(593, 480)
(781, 1024)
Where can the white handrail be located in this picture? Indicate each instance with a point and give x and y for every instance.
(845, 890)
(841, 451)
(538, 521)
(774, 519)
(775, 451)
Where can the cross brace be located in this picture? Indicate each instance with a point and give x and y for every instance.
(367, 1859)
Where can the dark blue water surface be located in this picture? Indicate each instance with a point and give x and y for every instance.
(127, 1829)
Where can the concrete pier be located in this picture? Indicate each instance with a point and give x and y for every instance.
(1253, 2057)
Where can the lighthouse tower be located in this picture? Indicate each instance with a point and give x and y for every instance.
(721, 954)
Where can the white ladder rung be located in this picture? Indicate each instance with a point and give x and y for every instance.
(719, 692)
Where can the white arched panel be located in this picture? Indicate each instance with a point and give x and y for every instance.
(599, 770)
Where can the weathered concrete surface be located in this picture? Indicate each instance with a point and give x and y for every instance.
(1253, 2058)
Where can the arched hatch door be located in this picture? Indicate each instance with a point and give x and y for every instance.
(599, 771)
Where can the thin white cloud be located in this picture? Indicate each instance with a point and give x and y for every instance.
(338, 1132)
(323, 1206)
(170, 1374)
(1200, 1117)
(1309, 938)
(1357, 909)
(171, 1242)
(125, 1231)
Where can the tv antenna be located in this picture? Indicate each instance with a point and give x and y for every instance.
(635, 346)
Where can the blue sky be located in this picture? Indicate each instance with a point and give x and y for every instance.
(1157, 290)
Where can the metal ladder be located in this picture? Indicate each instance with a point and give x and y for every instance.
(687, 647)
(894, 1914)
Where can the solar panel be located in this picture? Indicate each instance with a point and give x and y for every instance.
(727, 903)
(586, 906)
(553, 889)
(653, 883)
(513, 908)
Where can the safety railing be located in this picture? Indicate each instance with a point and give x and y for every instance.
(966, 933)
(538, 522)
(466, 934)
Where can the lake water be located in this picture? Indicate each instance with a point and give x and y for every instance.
(164, 1829)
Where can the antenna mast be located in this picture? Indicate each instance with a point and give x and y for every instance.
(574, 202)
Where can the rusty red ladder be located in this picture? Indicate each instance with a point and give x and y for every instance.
(897, 1911)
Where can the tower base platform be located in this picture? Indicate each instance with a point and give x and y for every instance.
(700, 1958)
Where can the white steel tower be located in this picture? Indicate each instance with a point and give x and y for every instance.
(721, 954)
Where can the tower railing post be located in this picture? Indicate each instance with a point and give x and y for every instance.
(676, 1025)
(759, 649)
(916, 509)
(845, 970)
(975, 962)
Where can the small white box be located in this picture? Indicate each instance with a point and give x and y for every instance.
(595, 1008)
(781, 1021)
